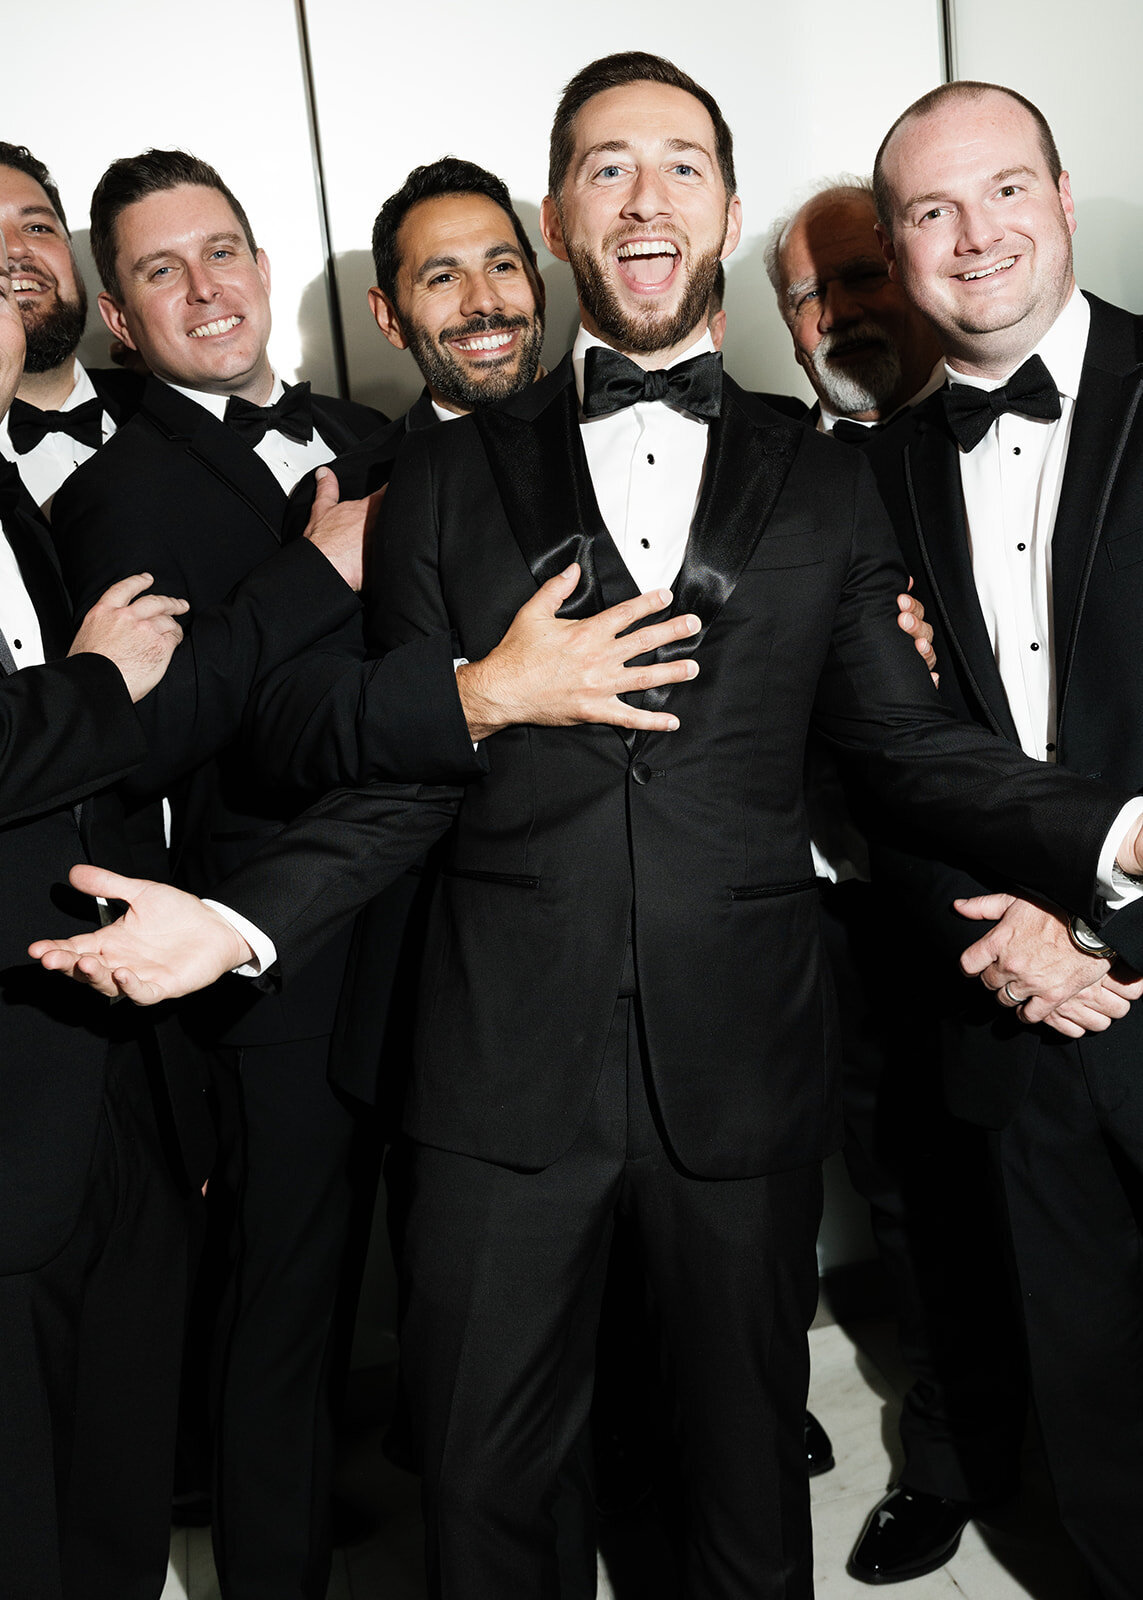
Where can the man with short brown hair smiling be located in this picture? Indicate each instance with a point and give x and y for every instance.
(63, 411)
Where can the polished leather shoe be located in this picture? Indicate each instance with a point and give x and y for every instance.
(908, 1534)
(819, 1451)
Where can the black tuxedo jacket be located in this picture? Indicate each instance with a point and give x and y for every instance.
(177, 493)
(67, 729)
(1097, 551)
(693, 844)
(120, 390)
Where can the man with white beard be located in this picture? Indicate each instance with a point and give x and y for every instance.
(863, 345)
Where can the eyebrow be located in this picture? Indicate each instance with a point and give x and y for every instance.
(506, 247)
(161, 255)
(39, 211)
(997, 177)
(617, 146)
(844, 269)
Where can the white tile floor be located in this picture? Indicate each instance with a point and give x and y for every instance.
(854, 1391)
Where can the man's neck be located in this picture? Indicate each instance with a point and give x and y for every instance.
(649, 360)
(47, 391)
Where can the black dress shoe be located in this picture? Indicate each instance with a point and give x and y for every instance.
(908, 1534)
(819, 1451)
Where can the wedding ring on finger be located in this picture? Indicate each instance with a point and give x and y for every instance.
(1007, 990)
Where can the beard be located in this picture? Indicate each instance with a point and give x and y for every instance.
(53, 334)
(496, 380)
(865, 385)
(645, 331)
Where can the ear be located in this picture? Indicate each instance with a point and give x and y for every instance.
(262, 261)
(887, 250)
(116, 319)
(717, 326)
(551, 228)
(386, 318)
(733, 228)
(1066, 201)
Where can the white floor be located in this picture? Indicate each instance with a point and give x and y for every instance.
(854, 1391)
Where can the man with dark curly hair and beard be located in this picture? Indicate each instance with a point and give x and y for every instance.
(62, 412)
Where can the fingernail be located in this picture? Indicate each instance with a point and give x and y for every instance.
(672, 724)
(322, 472)
(666, 596)
(693, 624)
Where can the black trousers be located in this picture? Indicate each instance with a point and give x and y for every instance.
(936, 1219)
(89, 1372)
(285, 1193)
(504, 1273)
(1072, 1167)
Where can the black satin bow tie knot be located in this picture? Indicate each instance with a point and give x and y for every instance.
(27, 425)
(1029, 392)
(855, 432)
(292, 415)
(611, 383)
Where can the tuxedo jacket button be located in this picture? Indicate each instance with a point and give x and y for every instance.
(641, 772)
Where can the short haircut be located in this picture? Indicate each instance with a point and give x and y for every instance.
(844, 187)
(438, 180)
(21, 159)
(615, 72)
(961, 89)
(133, 178)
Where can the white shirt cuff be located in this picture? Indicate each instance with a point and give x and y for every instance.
(1114, 886)
(265, 953)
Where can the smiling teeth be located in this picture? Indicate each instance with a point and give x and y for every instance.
(19, 284)
(487, 341)
(986, 272)
(209, 328)
(647, 247)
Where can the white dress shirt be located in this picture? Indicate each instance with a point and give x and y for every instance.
(287, 459)
(18, 621)
(646, 463)
(57, 455)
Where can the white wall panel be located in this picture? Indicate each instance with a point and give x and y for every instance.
(93, 82)
(1080, 65)
(806, 91)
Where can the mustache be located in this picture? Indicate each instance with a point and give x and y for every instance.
(497, 323)
(866, 333)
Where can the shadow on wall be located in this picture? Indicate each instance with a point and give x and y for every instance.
(95, 346)
(1107, 251)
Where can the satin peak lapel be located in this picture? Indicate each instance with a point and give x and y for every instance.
(746, 466)
(1105, 412)
(932, 477)
(541, 472)
(219, 450)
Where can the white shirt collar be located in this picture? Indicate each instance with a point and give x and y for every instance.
(1061, 350)
(216, 403)
(585, 341)
(442, 414)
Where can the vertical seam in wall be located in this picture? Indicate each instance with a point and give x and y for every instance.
(332, 293)
(948, 41)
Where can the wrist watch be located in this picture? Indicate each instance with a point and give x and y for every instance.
(1087, 940)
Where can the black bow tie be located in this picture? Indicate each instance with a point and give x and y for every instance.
(1029, 392)
(27, 425)
(611, 382)
(292, 416)
(854, 432)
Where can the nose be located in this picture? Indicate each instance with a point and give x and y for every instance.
(647, 199)
(201, 284)
(481, 295)
(978, 231)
